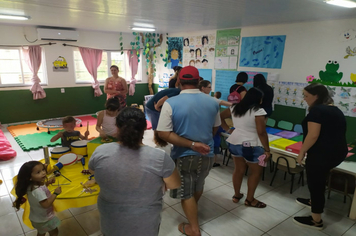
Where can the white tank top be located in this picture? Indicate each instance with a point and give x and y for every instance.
(108, 125)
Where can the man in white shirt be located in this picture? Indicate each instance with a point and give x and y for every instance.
(187, 121)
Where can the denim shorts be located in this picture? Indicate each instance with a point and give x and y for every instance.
(236, 150)
(192, 170)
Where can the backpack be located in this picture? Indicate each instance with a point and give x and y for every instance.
(234, 97)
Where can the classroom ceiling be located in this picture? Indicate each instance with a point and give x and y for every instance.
(169, 15)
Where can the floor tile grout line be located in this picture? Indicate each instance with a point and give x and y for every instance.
(80, 226)
(286, 219)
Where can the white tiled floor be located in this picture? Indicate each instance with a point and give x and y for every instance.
(218, 215)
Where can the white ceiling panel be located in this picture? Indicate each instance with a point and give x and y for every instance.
(169, 15)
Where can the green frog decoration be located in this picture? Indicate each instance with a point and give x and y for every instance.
(330, 74)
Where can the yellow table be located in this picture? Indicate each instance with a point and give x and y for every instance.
(71, 195)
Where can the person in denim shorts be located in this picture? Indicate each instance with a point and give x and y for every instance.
(247, 143)
(187, 121)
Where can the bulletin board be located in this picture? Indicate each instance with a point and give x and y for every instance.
(225, 79)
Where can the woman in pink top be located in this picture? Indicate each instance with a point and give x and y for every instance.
(116, 86)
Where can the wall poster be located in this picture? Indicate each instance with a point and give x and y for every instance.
(199, 51)
(262, 51)
(227, 49)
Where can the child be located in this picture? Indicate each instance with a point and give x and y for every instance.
(217, 95)
(106, 123)
(69, 135)
(31, 181)
(217, 141)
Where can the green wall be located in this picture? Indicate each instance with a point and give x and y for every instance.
(18, 105)
(296, 116)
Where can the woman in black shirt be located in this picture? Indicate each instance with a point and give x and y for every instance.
(259, 81)
(241, 79)
(324, 141)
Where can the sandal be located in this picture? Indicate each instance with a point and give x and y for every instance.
(258, 204)
(181, 228)
(237, 199)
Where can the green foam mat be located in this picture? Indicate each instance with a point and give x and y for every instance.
(36, 141)
(298, 138)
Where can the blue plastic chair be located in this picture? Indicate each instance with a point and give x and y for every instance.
(298, 128)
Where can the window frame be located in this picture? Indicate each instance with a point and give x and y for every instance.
(44, 79)
(108, 57)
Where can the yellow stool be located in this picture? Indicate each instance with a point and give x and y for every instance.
(93, 144)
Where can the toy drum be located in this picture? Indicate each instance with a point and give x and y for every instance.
(57, 152)
(67, 159)
(79, 147)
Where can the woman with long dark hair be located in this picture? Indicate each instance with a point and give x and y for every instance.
(324, 141)
(247, 143)
(259, 81)
(131, 176)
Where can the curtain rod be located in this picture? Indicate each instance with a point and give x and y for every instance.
(43, 44)
(76, 46)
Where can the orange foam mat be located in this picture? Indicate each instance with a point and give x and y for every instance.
(92, 131)
(24, 129)
(31, 128)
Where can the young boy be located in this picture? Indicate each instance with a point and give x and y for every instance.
(69, 135)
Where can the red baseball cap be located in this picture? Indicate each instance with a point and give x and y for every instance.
(189, 73)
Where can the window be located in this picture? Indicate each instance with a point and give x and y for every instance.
(122, 62)
(109, 58)
(14, 70)
(81, 73)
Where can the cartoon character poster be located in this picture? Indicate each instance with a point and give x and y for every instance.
(60, 64)
(262, 51)
(175, 52)
(199, 51)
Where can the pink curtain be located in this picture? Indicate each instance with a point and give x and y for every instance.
(133, 63)
(33, 58)
(92, 59)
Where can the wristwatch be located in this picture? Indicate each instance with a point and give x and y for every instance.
(192, 145)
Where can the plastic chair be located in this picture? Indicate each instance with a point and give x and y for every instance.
(289, 165)
(286, 125)
(341, 182)
(298, 128)
(271, 122)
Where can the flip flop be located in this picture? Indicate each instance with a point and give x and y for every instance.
(183, 228)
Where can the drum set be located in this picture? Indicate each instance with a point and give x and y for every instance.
(71, 155)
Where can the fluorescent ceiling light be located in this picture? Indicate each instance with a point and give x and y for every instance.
(342, 3)
(142, 29)
(12, 17)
